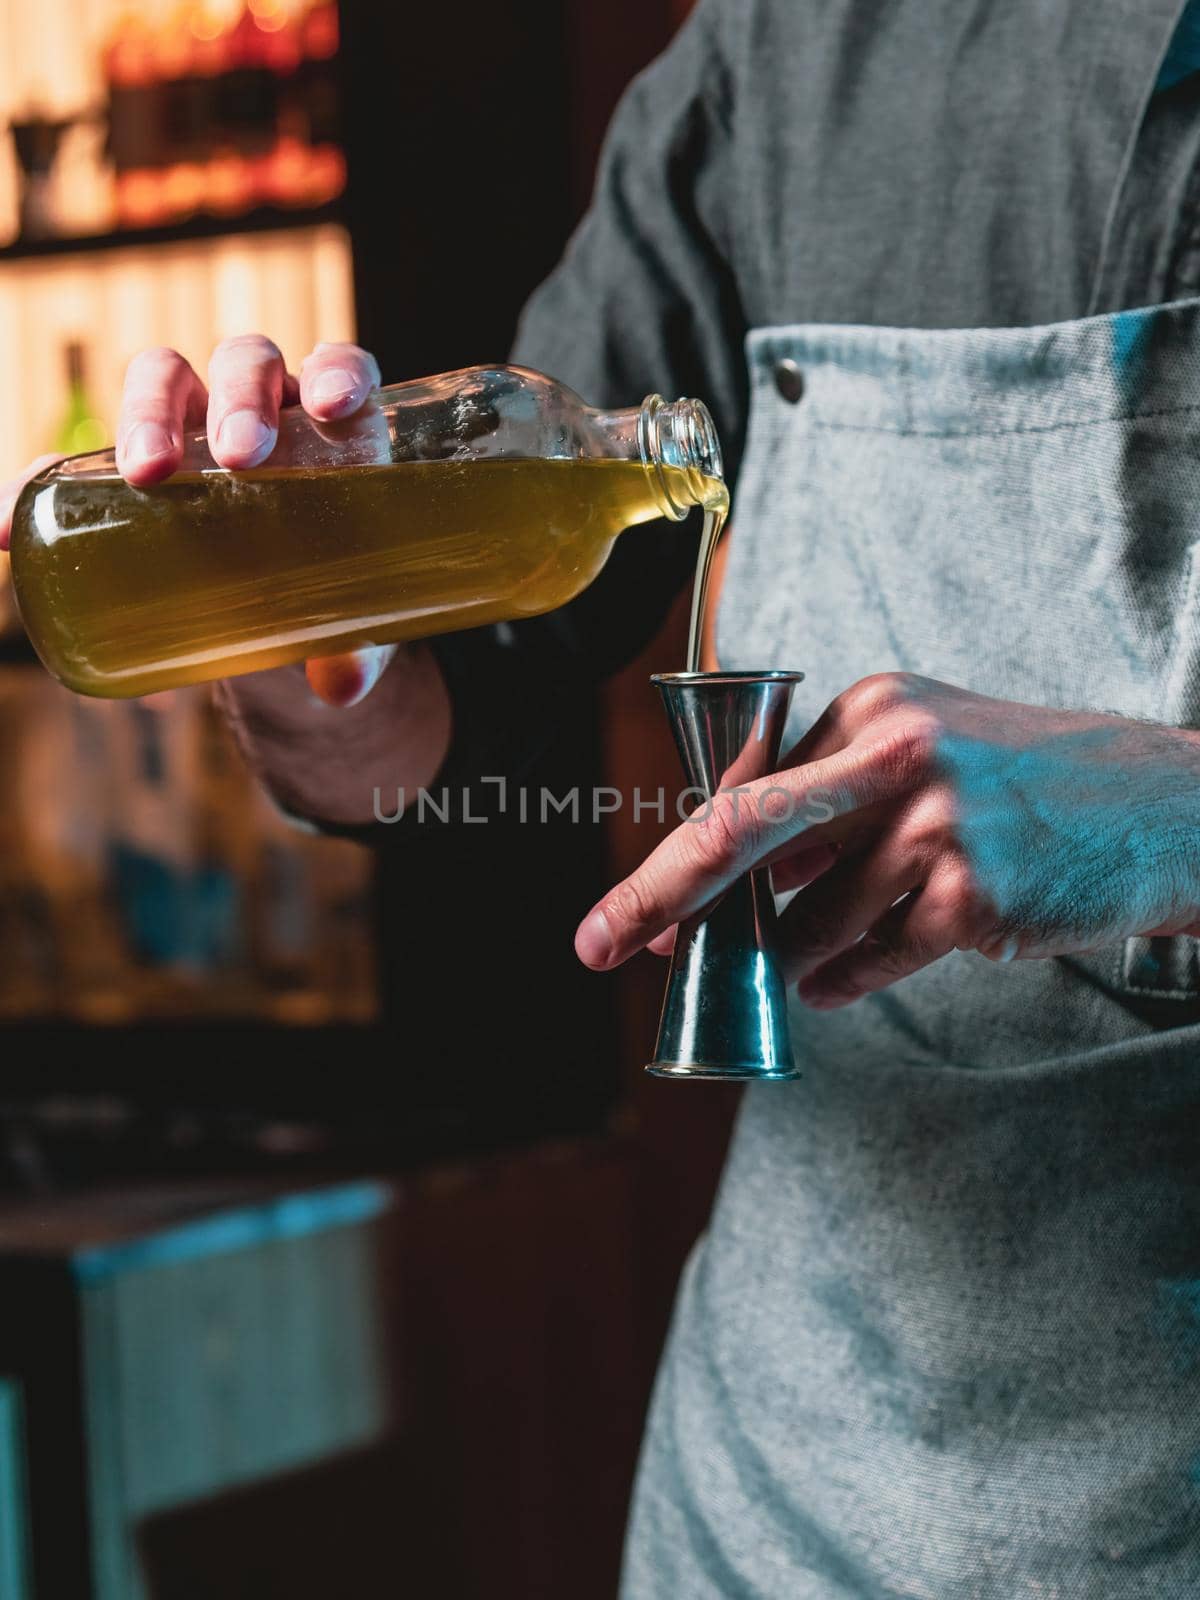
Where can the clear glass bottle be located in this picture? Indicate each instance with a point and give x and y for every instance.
(472, 497)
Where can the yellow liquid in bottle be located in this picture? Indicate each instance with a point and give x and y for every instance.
(128, 591)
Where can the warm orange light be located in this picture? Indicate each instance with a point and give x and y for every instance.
(139, 198)
(183, 188)
(228, 184)
(129, 54)
(326, 174)
(205, 26)
(321, 31)
(286, 172)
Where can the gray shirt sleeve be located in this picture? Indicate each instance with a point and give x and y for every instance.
(644, 300)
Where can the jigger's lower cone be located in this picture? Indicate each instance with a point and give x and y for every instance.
(725, 1011)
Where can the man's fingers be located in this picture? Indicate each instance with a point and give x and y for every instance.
(246, 384)
(10, 490)
(346, 679)
(162, 397)
(882, 696)
(836, 910)
(739, 829)
(336, 379)
(793, 872)
(799, 868)
(911, 935)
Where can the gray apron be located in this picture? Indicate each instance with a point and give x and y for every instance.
(942, 1338)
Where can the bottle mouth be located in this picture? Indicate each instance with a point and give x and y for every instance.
(682, 436)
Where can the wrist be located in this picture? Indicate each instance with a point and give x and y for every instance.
(325, 764)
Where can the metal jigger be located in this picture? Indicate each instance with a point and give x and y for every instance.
(725, 1010)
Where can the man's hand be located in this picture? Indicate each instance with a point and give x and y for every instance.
(318, 764)
(922, 819)
(247, 386)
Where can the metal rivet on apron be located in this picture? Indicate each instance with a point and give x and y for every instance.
(789, 380)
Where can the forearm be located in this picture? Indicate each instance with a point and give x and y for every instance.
(326, 764)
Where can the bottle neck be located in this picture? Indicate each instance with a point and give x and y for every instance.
(677, 444)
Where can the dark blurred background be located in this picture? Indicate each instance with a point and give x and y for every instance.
(312, 1282)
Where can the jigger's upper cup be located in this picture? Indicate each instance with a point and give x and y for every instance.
(725, 1010)
(728, 726)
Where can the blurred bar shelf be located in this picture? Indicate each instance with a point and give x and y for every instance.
(263, 219)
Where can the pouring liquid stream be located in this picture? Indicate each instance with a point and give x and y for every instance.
(716, 513)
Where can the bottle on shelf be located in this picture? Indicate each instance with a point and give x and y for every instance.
(222, 105)
(37, 138)
(179, 58)
(10, 188)
(127, 63)
(85, 182)
(249, 106)
(281, 43)
(135, 113)
(225, 177)
(80, 429)
(282, 175)
(319, 31)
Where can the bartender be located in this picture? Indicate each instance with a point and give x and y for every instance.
(935, 267)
